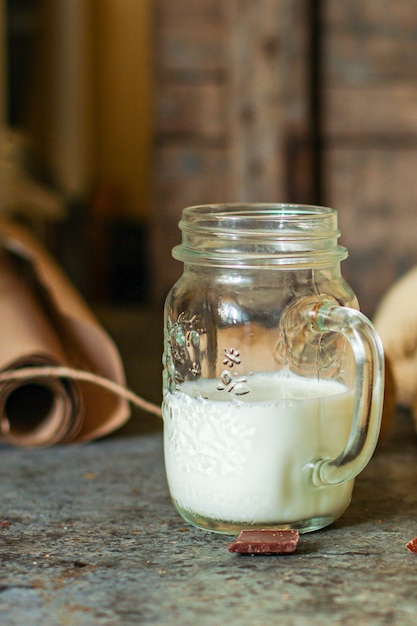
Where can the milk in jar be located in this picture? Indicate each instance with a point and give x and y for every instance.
(243, 460)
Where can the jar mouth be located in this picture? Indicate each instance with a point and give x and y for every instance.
(215, 214)
(259, 234)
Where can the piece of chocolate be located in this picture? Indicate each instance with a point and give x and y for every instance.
(265, 541)
(412, 545)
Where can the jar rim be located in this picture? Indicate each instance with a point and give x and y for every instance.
(259, 234)
(262, 210)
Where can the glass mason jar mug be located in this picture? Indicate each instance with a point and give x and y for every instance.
(273, 380)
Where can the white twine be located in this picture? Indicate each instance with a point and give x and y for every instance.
(27, 373)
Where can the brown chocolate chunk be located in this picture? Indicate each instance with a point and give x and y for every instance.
(412, 545)
(265, 541)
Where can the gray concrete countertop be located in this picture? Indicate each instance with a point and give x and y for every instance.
(88, 536)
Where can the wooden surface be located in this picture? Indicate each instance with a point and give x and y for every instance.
(291, 101)
(369, 128)
(232, 115)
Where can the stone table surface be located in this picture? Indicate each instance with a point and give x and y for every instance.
(88, 536)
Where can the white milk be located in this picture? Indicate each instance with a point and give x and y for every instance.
(240, 459)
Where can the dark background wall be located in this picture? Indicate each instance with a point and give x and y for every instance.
(291, 100)
(274, 100)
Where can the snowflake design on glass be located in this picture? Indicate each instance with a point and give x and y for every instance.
(232, 384)
(232, 357)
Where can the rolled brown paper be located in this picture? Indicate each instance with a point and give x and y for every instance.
(44, 321)
(40, 412)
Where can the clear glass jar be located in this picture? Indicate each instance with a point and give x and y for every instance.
(273, 380)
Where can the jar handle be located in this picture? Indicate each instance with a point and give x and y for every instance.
(368, 354)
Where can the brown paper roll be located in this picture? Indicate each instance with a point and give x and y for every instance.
(44, 321)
